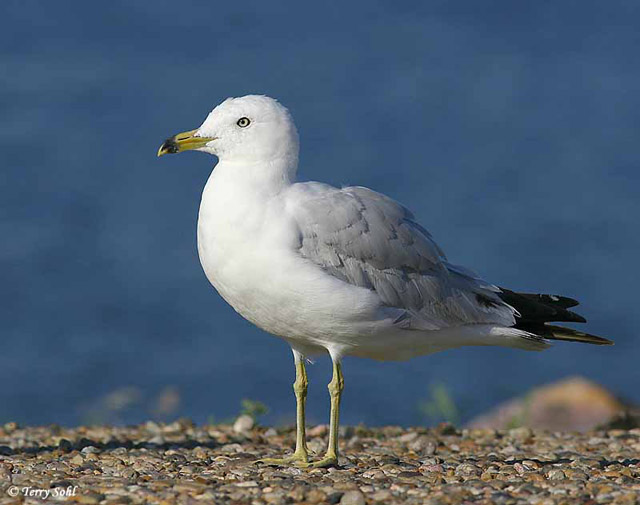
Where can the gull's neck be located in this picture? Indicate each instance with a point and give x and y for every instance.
(266, 178)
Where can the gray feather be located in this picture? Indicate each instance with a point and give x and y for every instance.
(368, 240)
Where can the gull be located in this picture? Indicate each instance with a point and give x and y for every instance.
(344, 271)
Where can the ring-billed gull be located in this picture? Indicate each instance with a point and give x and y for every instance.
(345, 271)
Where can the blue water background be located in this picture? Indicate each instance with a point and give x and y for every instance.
(509, 128)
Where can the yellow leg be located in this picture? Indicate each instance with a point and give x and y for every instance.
(300, 389)
(335, 391)
(301, 454)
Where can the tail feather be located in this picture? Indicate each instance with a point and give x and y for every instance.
(535, 311)
(553, 332)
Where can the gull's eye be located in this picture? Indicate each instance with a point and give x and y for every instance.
(243, 122)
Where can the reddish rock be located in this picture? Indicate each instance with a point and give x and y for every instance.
(573, 404)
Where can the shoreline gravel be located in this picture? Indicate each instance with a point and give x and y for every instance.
(187, 464)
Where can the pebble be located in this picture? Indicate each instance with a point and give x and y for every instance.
(77, 460)
(556, 474)
(157, 440)
(522, 434)
(316, 496)
(353, 498)
(318, 431)
(215, 464)
(243, 424)
(424, 445)
(64, 445)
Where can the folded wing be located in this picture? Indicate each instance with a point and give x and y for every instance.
(368, 240)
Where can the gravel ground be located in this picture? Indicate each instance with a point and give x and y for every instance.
(187, 464)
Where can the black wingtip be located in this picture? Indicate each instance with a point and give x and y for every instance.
(554, 300)
(541, 308)
(575, 318)
(563, 301)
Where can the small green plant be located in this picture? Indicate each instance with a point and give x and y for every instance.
(440, 406)
(521, 416)
(253, 408)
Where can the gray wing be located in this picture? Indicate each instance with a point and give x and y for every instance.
(368, 240)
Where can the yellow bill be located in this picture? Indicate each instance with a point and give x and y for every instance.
(184, 141)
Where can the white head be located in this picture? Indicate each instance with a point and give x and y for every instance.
(248, 129)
